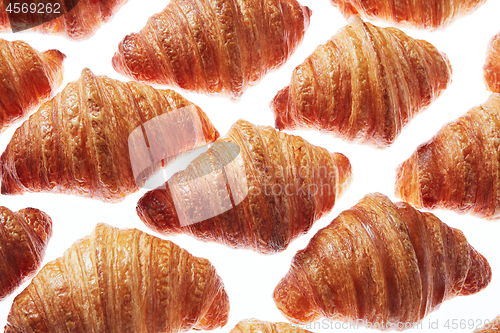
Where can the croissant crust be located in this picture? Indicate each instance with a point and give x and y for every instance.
(459, 168)
(213, 46)
(258, 326)
(101, 138)
(380, 263)
(122, 281)
(24, 236)
(364, 85)
(493, 327)
(256, 188)
(492, 65)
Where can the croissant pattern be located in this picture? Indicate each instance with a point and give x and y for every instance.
(387, 265)
(492, 65)
(256, 188)
(27, 79)
(158, 286)
(457, 169)
(258, 326)
(78, 19)
(364, 85)
(213, 46)
(101, 138)
(24, 236)
(422, 14)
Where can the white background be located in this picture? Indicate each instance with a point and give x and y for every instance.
(250, 278)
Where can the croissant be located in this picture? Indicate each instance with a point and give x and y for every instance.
(24, 236)
(101, 138)
(381, 264)
(364, 85)
(27, 79)
(457, 169)
(493, 327)
(213, 47)
(258, 326)
(121, 281)
(422, 14)
(492, 65)
(73, 19)
(256, 189)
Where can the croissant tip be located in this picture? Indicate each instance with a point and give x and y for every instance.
(479, 275)
(280, 107)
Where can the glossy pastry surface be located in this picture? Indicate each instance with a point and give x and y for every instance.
(364, 85)
(256, 188)
(380, 263)
(492, 65)
(259, 326)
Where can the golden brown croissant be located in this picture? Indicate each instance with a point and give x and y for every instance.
(24, 236)
(122, 281)
(258, 326)
(421, 14)
(493, 327)
(383, 264)
(213, 47)
(256, 188)
(364, 85)
(27, 79)
(457, 169)
(70, 18)
(101, 138)
(492, 65)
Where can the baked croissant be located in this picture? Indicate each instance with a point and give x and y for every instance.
(73, 19)
(258, 326)
(213, 47)
(422, 14)
(256, 189)
(383, 264)
(24, 236)
(101, 138)
(493, 327)
(27, 79)
(122, 281)
(492, 65)
(457, 169)
(364, 85)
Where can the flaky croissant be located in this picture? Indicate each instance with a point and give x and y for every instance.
(77, 19)
(457, 169)
(256, 188)
(383, 264)
(24, 236)
(27, 79)
(421, 14)
(122, 281)
(492, 65)
(213, 47)
(101, 138)
(493, 327)
(364, 85)
(258, 326)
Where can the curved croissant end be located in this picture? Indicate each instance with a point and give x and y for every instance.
(101, 138)
(213, 47)
(457, 168)
(422, 14)
(256, 188)
(35, 79)
(383, 263)
(23, 239)
(492, 65)
(258, 326)
(492, 327)
(77, 22)
(364, 85)
(159, 287)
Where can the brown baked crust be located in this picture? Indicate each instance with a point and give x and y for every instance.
(259, 326)
(256, 188)
(493, 327)
(422, 14)
(24, 236)
(122, 281)
(458, 169)
(80, 142)
(27, 79)
(382, 263)
(364, 85)
(492, 65)
(213, 46)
